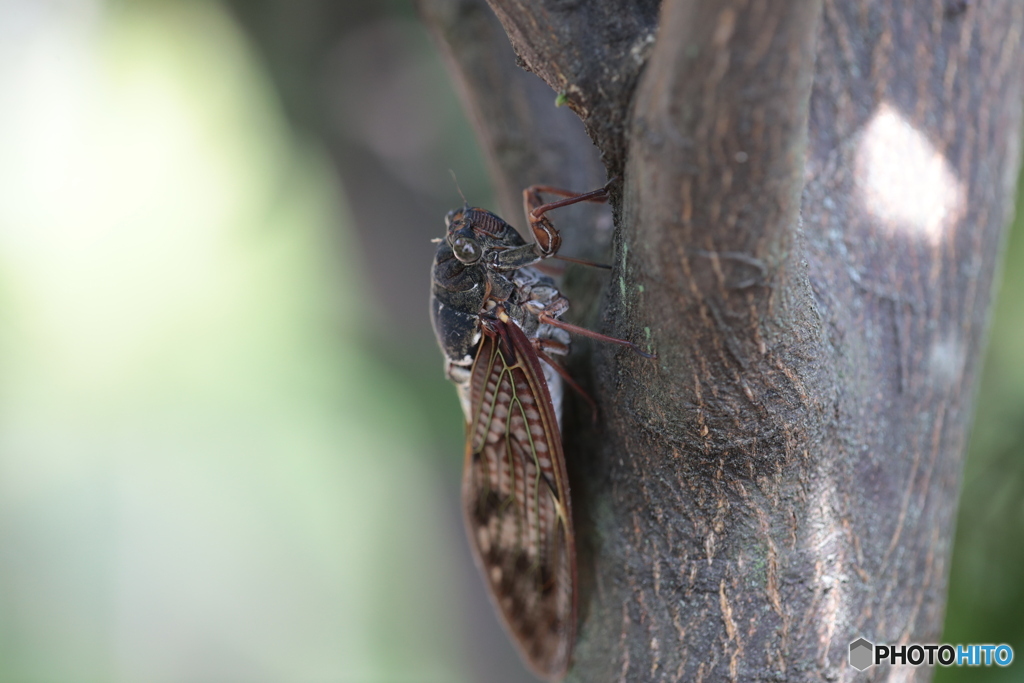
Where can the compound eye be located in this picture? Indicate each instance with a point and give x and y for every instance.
(467, 250)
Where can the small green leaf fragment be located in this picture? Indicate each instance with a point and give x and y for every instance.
(561, 99)
(647, 332)
(641, 288)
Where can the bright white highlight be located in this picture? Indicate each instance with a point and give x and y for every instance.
(905, 182)
(946, 361)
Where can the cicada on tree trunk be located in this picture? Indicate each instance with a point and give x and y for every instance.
(497, 321)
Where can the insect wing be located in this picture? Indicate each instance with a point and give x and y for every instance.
(516, 500)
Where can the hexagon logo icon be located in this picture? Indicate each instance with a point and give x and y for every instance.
(861, 654)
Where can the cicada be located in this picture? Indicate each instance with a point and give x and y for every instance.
(497, 321)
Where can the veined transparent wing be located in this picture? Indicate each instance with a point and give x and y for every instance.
(516, 499)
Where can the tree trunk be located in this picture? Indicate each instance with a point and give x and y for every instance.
(812, 202)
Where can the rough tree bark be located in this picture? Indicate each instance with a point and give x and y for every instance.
(813, 199)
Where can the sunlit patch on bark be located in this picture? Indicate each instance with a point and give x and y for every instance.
(904, 180)
(946, 361)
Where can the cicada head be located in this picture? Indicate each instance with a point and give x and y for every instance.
(474, 226)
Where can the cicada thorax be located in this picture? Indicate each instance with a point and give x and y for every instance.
(535, 292)
(471, 275)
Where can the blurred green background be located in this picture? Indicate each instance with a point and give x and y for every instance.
(227, 452)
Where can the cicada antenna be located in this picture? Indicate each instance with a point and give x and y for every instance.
(465, 202)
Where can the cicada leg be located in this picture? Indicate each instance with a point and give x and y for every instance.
(547, 237)
(545, 346)
(546, 318)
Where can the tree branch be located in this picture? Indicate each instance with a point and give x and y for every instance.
(719, 132)
(591, 52)
(713, 188)
(814, 197)
(525, 137)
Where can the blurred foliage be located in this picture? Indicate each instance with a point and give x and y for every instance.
(986, 594)
(204, 474)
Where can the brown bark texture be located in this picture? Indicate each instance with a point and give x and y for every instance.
(812, 200)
